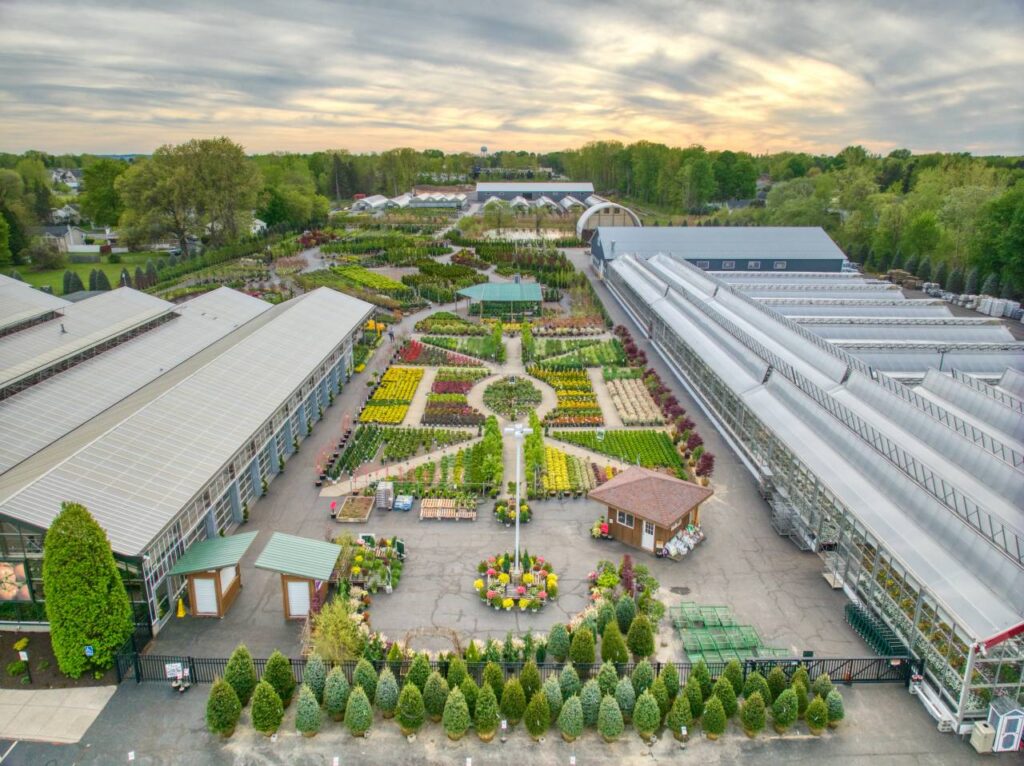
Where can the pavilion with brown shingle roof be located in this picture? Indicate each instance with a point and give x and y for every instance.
(647, 508)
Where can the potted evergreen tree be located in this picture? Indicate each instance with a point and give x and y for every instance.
(817, 716)
(222, 709)
(694, 697)
(609, 720)
(625, 697)
(486, 719)
(646, 715)
(278, 673)
(435, 694)
(315, 676)
(679, 718)
(358, 713)
(570, 719)
(724, 691)
(752, 714)
(455, 717)
(784, 710)
(336, 692)
(308, 717)
(386, 697)
(537, 717)
(410, 713)
(590, 699)
(267, 710)
(365, 676)
(553, 692)
(513, 702)
(714, 719)
(470, 692)
(640, 638)
(569, 681)
(240, 672)
(836, 712)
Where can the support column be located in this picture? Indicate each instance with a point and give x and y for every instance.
(211, 524)
(236, 501)
(289, 436)
(254, 474)
(274, 456)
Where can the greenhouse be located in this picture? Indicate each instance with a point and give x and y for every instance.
(913, 499)
(506, 300)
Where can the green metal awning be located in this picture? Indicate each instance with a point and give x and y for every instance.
(503, 292)
(299, 556)
(215, 553)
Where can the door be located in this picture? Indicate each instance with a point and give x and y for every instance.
(298, 598)
(206, 595)
(647, 542)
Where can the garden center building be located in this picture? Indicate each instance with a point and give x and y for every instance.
(723, 248)
(912, 496)
(528, 190)
(164, 421)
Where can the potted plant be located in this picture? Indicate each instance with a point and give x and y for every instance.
(278, 673)
(784, 710)
(222, 709)
(513, 702)
(714, 719)
(267, 710)
(570, 719)
(752, 714)
(679, 718)
(435, 694)
(817, 716)
(410, 713)
(486, 713)
(609, 720)
(308, 717)
(386, 697)
(456, 715)
(834, 703)
(358, 713)
(625, 697)
(646, 716)
(537, 717)
(336, 691)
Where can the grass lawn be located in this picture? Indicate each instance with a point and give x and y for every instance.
(54, 278)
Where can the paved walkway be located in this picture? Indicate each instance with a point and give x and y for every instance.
(604, 398)
(51, 715)
(419, 399)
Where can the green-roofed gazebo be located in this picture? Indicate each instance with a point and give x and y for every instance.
(305, 567)
(506, 300)
(211, 568)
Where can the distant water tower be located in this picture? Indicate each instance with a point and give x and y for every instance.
(483, 150)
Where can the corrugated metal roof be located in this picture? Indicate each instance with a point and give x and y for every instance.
(299, 556)
(503, 292)
(572, 187)
(214, 553)
(20, 302)
(783, 243)
(40, 415)
(136, 478)
(84, 324)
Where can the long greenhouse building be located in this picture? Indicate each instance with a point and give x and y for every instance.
(911, 493)
(166, 421)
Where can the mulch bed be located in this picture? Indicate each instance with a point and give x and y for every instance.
(45, 673)
(355, 509)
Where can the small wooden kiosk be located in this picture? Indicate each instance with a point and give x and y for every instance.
(305, 567)
(214, 578)
(646, 508)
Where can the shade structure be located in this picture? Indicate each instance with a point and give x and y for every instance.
(504, 292)
(299, 556)
(214, 553)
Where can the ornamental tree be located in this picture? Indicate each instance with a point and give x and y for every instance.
(86, 602)
(581, 650)
(410, 713)
(315, 676)
(822, 685)
(486, 718)
(670, 677)
(223, 708)
(240, 672)
(734, 672)
(801, 676)
(494, 677)
(625, 611)
(646, 715)
(836, 712)
(817, 715)
(590, 698)
(714, 719)
(801, 698)
(777, 683)
(386, 697)
(625, 697)
(570, 719)
(365, 676)
(435, 694)
(336, 692)
(756, 684)
(694, 697)
(358, 713)
(278, 673)
(752, 714)
(529, 677)
(607, 678)
(703, 675)
(640, 639)
(569, 681)
(613, 646)
(456, 672)
(724, 691)
(419, 671)
(513, 702)
(308, 717)
(537, 718)
(558, 642)
(609, 720)
(660, 694)
(679, 716)
(267, 710)
(784, 710)
(553, 692)
(470, 692)
(605, 615)
(455, 717)
(643, 677)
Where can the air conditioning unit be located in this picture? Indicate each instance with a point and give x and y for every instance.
(983, 737)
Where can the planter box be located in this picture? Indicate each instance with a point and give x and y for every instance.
(355, 510)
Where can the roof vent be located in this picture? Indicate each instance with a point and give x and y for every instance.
(62, 330)
(517, 279)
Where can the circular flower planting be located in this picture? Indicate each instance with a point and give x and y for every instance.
(512, 397)
(502, 589)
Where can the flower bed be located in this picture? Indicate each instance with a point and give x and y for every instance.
(577, 403)
(486, 347)
(593, 355)
(568, 326)
(414, 352)
(450, 410)
(447, 323)
(354, 509)
(505, 512)
(500, 588)
(633, 402)
(547, 347)
(399, 444)
(653, 449)
(457, 381)
(512, 397)
(564, 473)
(390, 402)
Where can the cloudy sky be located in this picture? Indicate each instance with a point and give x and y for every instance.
(109, 76)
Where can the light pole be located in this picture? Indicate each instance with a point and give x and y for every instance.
(519, 432)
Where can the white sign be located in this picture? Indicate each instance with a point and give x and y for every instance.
(23, 656)
(131, 755)
(172, 670)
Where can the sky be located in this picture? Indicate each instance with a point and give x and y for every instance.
(106, 76)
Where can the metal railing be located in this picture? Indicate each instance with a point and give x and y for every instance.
(990, 391)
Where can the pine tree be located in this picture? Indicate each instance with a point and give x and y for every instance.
(670, 676)
(455, 717)
(724, 691)
(784, 710)
(609, 720)
(836, 712)
(734, 672)
(365, 676)
(590, 698)
(386, 696)
(640, 638)
(956, 281)
(714, 719)
(66, 287)
(752, 714)
(494, 677)
(308, 717)
(529, 677)
(558, 642)
(991, 285)
(570, 719)
(613, 646)
(513, 702)
(92, 279)
(411, 713)
(86, 601)
(660, 693)
(924, 270)
(125, 280)
(625, 611)
(703, 675)
(223, 708)
(553, 692)
(435, 694)
(694, 696)
(801, 698)
(395, 658)
(240, 672)
(941, 275)
(777, 683)
(643, 677)
(537, 717)
(569, 681)
(679, 716)
(358, 713)
(581, 650)
(419, 671)
(267, 710)
(822, 685)
(470, 692)
(607, 678)
(817, 715)
(972, 281)
(625, 697)
(336, 691)
(278, 673)
(102, 280)
(486, 718)
(456, 672)
(646, 715)
(315, 676)
(605, 615)
(756, 684)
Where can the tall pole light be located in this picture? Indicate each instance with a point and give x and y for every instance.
(519, 432)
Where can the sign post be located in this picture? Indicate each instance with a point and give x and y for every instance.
(23, 656)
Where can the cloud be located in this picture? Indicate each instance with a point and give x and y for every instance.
(118, 76)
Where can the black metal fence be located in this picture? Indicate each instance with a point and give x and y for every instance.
(131, 664)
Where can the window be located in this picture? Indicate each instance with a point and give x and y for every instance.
(626, 519)
(753, 265)
(779, 265)
(703, 264)
(728, 264)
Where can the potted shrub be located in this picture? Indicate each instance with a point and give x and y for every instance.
(569, 681)
(315, 676)
(494, 677)
(537, 717)
(777, 683)
(308, 717)
(410, 712)
(694, 697)
(419, 671)
(386, 697)
(529, 678)
(817, 716)
(358, 713)
(456, 715)
(670, 676)
(365, 676)
(714, 719)
(724, 691)
(222, 709)
(278, 673)
(646, 716)
(625, 697)
(734, 672)
(240, 672)
(703, 675)
(470, 692)
(435, 694)
(801, 698)
(553, 692)
(784, 710)
(834, 703)
(752, 714)
(660, 694)
(643, 677)
(581, 649)
(756, 684)
(336, 692)
(822, 686)
(513, 702)
(570, 719)
(267, 710)
(558, 642)
(640, 638)
(801, 676)
(607, 678)
(590, 699)
(609, 720)
(486, 719)
(613, 645)
(679, 717)
(456, 672)
(625, 611)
